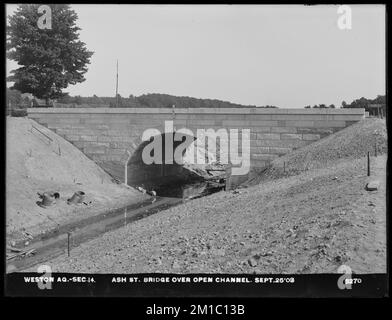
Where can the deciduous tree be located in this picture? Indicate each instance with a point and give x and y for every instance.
(50, 58)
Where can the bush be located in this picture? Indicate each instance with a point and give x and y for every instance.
(18, 113)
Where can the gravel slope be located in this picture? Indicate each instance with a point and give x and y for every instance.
(310, 223)
(40, 162)
(350, 143)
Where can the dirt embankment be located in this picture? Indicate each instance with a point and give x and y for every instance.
(353, 142)
(311, 222)
(38, 160)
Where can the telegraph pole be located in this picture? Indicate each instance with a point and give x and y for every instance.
(117, 85)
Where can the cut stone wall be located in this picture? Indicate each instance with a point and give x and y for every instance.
(110, 135)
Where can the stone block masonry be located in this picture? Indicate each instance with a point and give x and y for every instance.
(109, 135)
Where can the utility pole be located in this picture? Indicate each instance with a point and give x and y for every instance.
(117, 85)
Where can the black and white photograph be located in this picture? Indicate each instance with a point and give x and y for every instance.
(181, 150)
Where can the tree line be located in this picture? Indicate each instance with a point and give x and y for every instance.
(357, 103)
(153, 100)
(15, 98)
(321, 106)
(364, 103)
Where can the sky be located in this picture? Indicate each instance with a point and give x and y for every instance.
(289, 56)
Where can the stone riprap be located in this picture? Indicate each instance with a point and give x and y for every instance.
(110, 136)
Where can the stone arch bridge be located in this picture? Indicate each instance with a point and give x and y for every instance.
(113, 136)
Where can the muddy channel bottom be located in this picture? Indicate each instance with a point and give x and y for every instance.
(63, 240)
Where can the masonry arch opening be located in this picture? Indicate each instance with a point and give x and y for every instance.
(175, 165)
